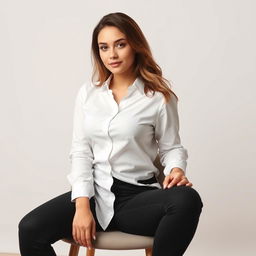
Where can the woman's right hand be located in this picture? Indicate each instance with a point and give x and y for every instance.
(84, 227)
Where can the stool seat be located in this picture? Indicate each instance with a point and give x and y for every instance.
(117, 240)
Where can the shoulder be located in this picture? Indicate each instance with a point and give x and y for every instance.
(160, 99)
(85, 89)
(167, 108)
(86, 86)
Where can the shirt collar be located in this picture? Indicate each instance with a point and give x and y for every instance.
(137, 84)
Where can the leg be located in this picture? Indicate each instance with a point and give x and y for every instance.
(47, 224)
(170, 215)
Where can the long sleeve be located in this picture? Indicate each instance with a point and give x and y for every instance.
(80, 156)
(172, 153)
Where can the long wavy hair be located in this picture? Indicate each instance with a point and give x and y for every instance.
(144, 64)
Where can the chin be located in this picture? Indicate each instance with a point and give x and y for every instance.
(117, 72)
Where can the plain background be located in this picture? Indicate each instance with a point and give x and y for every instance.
(206, 48)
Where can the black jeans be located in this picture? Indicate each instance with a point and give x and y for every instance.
(170, 215)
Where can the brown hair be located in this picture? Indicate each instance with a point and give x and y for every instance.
(145, 66)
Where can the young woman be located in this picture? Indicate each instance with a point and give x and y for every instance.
(122, 120)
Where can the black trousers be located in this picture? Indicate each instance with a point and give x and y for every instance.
(170, 215)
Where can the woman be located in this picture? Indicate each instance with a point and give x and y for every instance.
(120, 122)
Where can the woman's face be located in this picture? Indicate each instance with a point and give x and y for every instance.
(113, 47)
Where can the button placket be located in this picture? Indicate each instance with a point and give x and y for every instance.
(107, 127)
(109, 135)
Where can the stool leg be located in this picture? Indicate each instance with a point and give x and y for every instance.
(74, 250)
(148, 251)
(90, 252)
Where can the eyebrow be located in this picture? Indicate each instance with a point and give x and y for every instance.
(114, 41)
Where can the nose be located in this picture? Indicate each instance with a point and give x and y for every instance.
(113, 53)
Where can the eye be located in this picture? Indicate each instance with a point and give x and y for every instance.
(121, 45)
(103, 48)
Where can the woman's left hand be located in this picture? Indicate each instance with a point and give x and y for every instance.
(177, 176)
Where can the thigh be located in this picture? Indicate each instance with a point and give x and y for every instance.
(53, 219)
(142, 213)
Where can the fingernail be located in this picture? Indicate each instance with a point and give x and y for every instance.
(94, 237)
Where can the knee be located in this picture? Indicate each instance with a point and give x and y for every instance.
(192, 199)
(27, 227)
(186, 199)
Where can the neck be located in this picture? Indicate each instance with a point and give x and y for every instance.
(122, 81)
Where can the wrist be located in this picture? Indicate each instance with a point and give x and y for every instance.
(83, 203)
(177, 169)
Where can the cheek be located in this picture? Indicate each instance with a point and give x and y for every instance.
(103, 57)
(129, 55)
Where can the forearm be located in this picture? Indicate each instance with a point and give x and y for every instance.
(83, 203)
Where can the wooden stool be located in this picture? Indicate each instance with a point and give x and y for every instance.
(114, 240)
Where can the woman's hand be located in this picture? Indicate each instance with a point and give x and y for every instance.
(84, 227)
(177, 176)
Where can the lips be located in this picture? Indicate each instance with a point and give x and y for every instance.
(115, 64)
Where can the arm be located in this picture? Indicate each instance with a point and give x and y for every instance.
(80, 156)
(173, 155)
(81, 177)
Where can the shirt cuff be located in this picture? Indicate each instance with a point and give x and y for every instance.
(82, 189)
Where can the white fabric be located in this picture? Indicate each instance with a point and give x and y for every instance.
(121, 141)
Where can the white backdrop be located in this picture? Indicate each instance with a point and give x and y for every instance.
(206, 48)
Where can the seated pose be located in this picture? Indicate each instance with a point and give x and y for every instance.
(123, 118)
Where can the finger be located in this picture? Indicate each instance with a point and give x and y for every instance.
(174, 181)
(88, 238)
(183, 182)
(189, 184)
(79, 235)
(74, 233)
(83, 238)
(94, 230)
(167, 180)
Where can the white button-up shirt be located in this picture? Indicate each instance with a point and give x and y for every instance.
(121, 141)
